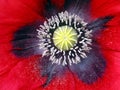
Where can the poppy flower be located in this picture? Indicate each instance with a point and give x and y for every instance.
(59, 45)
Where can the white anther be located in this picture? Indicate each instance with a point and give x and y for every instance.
(57, 20)
(83, 55)
(47, 27)
(59, 62)
(77, 58)
(69, 60)
(45, 53)
(70, 19)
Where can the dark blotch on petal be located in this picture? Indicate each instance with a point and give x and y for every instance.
(50, 70)
(50, 9)
(27, 52)
(25, 41)
(73, 6)
(76, 5)
(91, 68)
(99, 23)
(28, 31)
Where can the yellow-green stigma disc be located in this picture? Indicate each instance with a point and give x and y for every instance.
(64, 38)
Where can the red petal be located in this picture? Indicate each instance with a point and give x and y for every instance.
(16, 13)
(110, 37)
(16, 73)
(58, 3)
(109, 41)
(105, 7)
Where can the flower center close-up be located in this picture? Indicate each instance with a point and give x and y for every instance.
(65, 38)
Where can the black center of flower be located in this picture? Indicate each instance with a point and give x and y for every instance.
(65, 38)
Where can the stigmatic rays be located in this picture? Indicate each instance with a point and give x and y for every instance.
(65, 39)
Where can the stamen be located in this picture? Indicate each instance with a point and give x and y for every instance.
(65, 38)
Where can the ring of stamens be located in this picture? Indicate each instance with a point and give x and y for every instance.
(65, 39)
